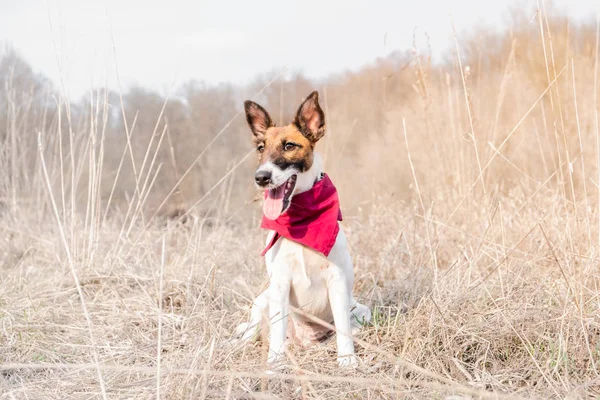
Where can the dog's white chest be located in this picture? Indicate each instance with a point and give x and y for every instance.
(307, 271)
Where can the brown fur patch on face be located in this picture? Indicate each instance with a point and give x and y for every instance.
(285, 147)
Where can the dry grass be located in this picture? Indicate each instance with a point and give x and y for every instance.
(471, 202)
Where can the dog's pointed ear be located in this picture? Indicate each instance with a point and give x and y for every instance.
(258, 119)
(310, 118)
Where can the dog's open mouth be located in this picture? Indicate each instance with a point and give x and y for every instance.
(278, 199)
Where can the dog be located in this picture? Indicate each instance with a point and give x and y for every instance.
(309, 268)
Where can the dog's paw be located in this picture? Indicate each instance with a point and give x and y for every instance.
(279, 367)
(241, 329)
(349, 361)
(246, 332)
(275, 359)
(277, 364)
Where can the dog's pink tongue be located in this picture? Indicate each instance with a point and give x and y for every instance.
(274, 202)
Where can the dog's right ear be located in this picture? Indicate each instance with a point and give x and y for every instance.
(310, 118)
(258, 119)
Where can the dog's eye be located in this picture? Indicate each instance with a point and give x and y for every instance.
(289, 146)
(260, 148)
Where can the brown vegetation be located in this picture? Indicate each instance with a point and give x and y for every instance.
(471, 201)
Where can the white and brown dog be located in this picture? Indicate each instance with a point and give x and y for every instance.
(307, 255)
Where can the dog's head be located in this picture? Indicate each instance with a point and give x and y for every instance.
(284, 152)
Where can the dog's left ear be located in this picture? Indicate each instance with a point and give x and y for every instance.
(310, 119)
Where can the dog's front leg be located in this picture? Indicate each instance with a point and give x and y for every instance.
(258, 313)
(339, 299)
(279, 299)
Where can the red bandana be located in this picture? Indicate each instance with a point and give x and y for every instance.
(311, 220)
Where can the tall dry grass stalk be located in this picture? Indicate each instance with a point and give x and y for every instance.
(478, 257)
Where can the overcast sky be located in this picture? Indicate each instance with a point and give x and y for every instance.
(163, 43)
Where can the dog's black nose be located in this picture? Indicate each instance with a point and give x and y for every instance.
(262, 178)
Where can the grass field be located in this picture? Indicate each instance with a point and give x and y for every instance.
(471, 202)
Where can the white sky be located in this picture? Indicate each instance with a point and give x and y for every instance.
(162, 43)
